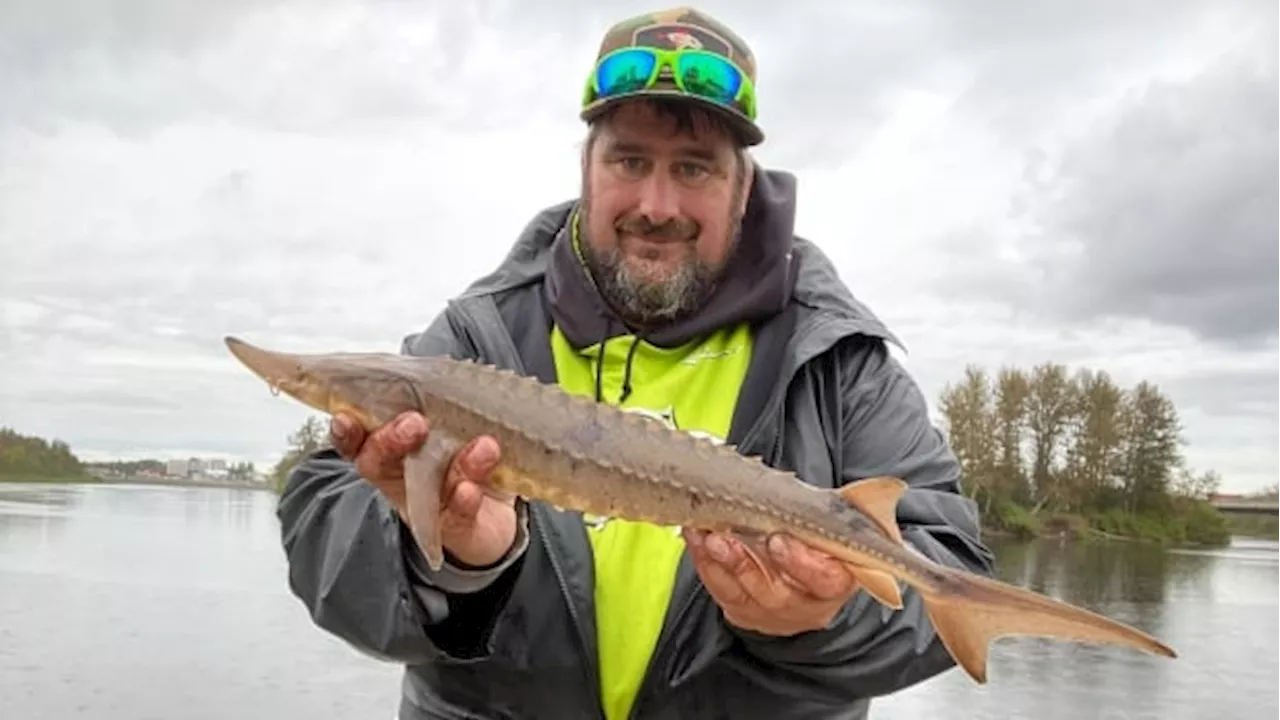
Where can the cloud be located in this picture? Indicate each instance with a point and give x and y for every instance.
(1167, 211)
(325, 175)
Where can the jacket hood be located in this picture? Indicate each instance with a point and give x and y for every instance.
(757, 284)
(774, 268)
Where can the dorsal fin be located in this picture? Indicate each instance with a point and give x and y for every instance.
(877, 498)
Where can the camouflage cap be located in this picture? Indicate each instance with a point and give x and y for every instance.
(682, 27)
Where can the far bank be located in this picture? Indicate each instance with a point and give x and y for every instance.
(1189, 524)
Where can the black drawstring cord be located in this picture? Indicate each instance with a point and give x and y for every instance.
(626, 378)
(600, 368)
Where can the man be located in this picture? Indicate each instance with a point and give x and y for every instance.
(674, 286)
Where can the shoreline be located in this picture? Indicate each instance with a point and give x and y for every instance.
(1079, 528)
(1074, 528)
(137, 481)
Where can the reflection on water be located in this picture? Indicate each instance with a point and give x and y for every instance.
(154, 602)
(1217, 608)
(158, 602)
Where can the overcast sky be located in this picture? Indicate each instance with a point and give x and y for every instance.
(1001, 180)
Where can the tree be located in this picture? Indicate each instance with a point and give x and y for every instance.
(1151, 448)
(1049, 407)
(1093, 460)
(1197, 487)
(967, 410)
(34, 457)
(1050, 440)
(1013, 390)
(305, 440)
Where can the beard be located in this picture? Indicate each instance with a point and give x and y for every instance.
(660, 296)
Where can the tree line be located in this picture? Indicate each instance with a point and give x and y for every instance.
(26, 456)
(129, 468)
(1049, 441)
(133, 468)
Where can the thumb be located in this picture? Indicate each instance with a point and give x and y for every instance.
(401, 437)
(470, 466)
(382, 455)
(346, 435)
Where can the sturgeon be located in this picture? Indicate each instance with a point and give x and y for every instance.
(578, 454)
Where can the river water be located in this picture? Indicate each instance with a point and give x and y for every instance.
(122, 602)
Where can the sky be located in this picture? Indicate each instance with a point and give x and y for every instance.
(1002, 181)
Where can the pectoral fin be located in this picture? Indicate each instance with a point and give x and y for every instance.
(424, 476)
(755, 546)
(879, 584)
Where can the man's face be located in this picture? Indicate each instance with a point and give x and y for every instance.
(661, 207)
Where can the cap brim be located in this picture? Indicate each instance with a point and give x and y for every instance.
(751, 133)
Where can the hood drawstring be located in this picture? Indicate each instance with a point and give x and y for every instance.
(626, 377)
(600, 368)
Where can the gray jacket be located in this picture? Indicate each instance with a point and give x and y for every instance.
(824, 398)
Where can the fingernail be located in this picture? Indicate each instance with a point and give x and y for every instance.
(407, 429)
(481, 457)
(717, 548)
(778, 547)
(339, 427)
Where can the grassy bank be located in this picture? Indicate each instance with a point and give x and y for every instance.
(50, 479)
(1255, 526)
(1187, 523)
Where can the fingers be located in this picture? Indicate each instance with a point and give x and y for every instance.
(381, 456)
(346, 435)
(716, 576)
(470, 466)
(815, 572)
(788, 571)
(778, 591)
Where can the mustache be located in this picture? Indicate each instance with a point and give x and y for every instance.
(673, 229)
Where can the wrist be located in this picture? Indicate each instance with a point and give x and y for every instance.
(473, 564)
(456, 576)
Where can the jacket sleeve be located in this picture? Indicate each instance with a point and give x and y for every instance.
(870, 650)
(355, 566)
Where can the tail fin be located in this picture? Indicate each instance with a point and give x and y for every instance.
(970, 611)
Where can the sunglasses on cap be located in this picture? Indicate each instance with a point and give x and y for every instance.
(698, 73)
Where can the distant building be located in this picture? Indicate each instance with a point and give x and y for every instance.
(204, 469)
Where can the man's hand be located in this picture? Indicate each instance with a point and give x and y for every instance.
(803, 591)
(477, 526)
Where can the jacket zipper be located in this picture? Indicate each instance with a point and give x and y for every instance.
(770, 409)
(665, 644)
(590, 663)
(590, 668)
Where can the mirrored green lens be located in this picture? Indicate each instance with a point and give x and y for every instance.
(709, 76)
(625, 72)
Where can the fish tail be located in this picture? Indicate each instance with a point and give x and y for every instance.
(970, 611)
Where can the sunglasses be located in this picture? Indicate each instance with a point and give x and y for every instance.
(695, 72)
